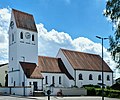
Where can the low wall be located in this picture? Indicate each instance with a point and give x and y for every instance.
(74, 91)
(68, 91)
(4, 90)
(18, 90)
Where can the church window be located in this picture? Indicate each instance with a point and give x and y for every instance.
(46, 79)
(90, 77)
(59, 79)
(11, 79)
(53, 80)
(99, 77)
(33, 37)
(21, 35)
(12, 37)
(80, 77)
(108, 78)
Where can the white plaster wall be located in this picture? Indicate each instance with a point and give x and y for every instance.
(95, 81)
(28, 48)
(39, 83)
(67, 82)
(3, 69)
(66, 62)
(56, 75)
(13, 64)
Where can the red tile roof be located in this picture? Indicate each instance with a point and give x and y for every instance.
(31, 70)
(85, 61)
(52, 65)
(24, 20)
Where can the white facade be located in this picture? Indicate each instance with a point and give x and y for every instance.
(20, 49)
(95, 74)
(85, 74)
(60, 80)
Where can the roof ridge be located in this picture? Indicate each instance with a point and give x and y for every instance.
(27, 62)
(3, 64)
(49, 57)
(79, 52)
(21, 11)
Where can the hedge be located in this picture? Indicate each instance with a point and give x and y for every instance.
(91, 91)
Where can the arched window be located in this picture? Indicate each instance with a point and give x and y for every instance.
(53, 80)
(59, 79)
(80, 77)
(108, 78)
(90, 77)
(33, 37)
(21, 35)
(99, 77)
(46, 79)
(12, 37)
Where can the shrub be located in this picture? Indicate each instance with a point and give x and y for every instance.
(90, 85)
(116, 86)
(91, 91)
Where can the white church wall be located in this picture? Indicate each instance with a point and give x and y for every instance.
(95, 81)
(14, 78)
(56, 77)
(27, 49)
(39, 83)
(67, 82)
(66, 62)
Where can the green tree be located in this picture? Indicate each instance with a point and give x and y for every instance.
(112, 12)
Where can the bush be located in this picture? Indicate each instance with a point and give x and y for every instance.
(90, 85)
(113, 95)
(91, 91)
(116, 86)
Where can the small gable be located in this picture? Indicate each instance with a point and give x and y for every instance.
(31, 70)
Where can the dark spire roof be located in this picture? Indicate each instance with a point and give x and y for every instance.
(24, 20)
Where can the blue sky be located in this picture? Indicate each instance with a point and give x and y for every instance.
(68, 24)
(78, 18)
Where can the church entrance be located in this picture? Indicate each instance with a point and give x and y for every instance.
(35, 86)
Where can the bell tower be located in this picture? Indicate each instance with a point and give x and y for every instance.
(23, 44)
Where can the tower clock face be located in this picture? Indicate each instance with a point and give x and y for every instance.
(27, 35)
(11, 24)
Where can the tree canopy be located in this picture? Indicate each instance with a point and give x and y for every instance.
(112, 12)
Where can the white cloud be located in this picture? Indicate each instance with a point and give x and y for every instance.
(49, 42)
(4, 23)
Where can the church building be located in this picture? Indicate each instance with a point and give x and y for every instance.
(69, 68)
